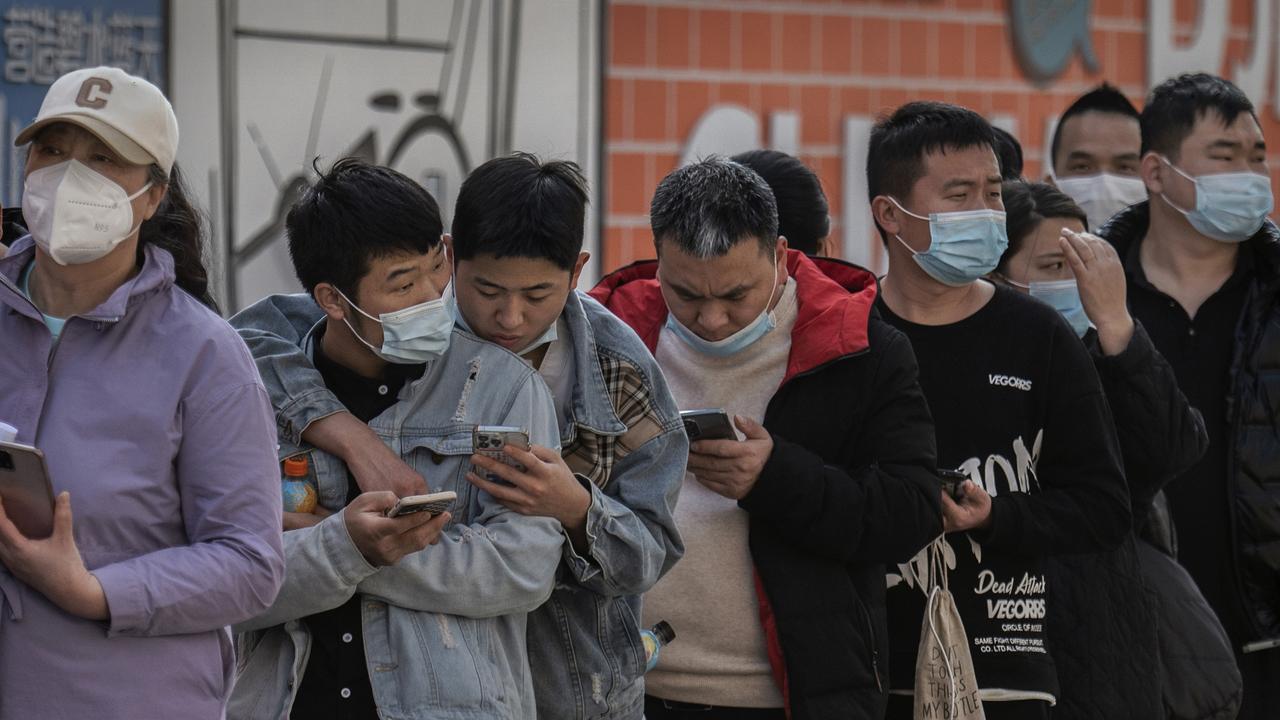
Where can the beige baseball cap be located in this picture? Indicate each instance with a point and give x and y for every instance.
(128, 113)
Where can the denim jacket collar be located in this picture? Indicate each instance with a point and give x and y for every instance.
(591, 408)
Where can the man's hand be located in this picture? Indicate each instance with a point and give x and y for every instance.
(973, 510)
(546, 488)
(1100, 278)
(297, 520)
(732, 467)
(53, 566)
(383, 540)
(373, 464)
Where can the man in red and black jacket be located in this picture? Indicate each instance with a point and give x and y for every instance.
(778, 604)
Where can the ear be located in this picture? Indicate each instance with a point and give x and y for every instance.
(583, 257)
(1152, 171)
(447, 239)
(886, 214)
(780, 256)
(330, 301)
(155, 195)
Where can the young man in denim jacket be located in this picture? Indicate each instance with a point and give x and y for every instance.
(517, 252)
(394, 617)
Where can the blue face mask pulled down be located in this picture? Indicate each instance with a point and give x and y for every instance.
(414, 335)
(963, 246)
(1063, 296)
(736, 342)
(1230, 207)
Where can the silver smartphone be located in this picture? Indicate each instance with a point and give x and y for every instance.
(432, 503)
(489, 440)
(26, 490)
(708, 424)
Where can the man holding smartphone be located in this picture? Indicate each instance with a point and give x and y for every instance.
(517, 254)
(779, 601)
(371, 621)
(1016, 401)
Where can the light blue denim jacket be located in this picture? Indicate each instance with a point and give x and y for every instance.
(624, 439)
(444, 628)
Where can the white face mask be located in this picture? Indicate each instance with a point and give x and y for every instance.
(77, 215)
(1103, 195)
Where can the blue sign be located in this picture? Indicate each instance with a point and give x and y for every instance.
(45, 39)
(1047, 33)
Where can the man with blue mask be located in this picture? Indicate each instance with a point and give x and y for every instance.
(516, 251)
(1200, 258)
(830, 477)
(373, 621)
(1016, 403)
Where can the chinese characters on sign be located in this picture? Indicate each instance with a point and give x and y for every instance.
(44, 40)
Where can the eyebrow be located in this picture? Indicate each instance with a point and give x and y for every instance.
(959, 182)
(1080, 155)
(400, 272)
(682, 290)
(529, 288)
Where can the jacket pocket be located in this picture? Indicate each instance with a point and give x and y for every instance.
(443, 460)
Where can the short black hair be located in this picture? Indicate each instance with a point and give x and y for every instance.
(900, 142)
(708, 207)
(803, 213)
(355, 213)
(1009, 152)
(520, 206)
(1026, 205)
(1175, 105)
(1104, 99)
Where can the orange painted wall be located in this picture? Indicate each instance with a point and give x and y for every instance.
(668, 61)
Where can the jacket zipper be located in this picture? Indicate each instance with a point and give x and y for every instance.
(875, 651)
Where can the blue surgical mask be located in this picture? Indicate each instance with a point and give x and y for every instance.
(736, 342)
(1063, 296)
(1230, 207)
(414, 335)
(963, 246)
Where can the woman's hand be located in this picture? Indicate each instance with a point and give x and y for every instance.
(1100, 279)
(53, 565)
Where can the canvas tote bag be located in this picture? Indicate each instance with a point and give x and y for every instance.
(946, 687)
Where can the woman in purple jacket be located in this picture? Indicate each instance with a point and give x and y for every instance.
(155, 426)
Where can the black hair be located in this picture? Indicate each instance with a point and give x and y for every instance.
(1026, 205)
(708, 207)
(900, 142)
(355, 213)
(179, 228)
(520, 206)
(803, 214)
(1176, 104)
(1103, 99)
(1009, 152)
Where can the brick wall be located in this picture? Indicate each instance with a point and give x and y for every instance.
(668, 61)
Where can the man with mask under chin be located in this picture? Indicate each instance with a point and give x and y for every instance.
(831, 474)
(1201, 260)
(1095, 154)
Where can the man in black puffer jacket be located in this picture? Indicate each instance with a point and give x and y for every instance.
(1203, 270)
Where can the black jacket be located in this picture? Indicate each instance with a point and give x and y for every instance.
(1105, 628)
(1253, 464)
(14, 226)
(851, 484)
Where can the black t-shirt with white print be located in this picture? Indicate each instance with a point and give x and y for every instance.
(1018, 408)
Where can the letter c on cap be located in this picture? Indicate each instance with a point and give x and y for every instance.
(93, 93)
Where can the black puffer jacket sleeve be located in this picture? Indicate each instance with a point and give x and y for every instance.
(873, 495)
(1160, 434)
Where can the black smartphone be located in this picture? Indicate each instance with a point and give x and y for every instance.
(953, 483)
(707, 424)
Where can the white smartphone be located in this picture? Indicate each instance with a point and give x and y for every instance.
(26, 490)
(433, 503)
(489, 440)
